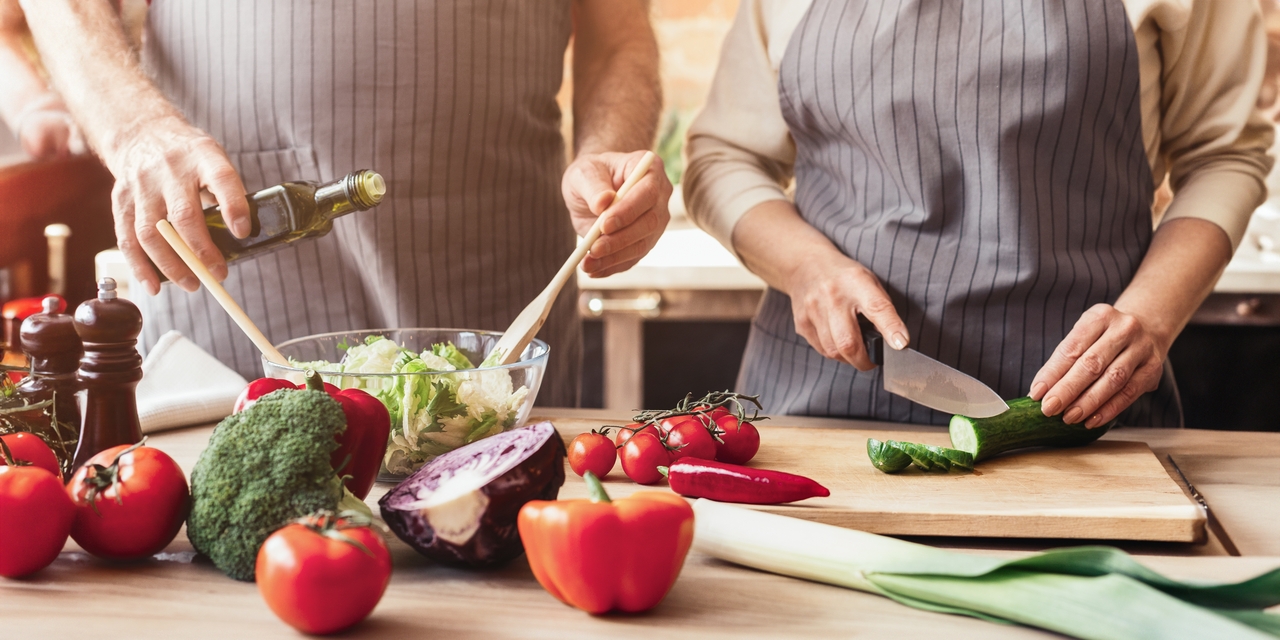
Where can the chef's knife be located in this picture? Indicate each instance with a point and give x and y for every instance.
(923, 380)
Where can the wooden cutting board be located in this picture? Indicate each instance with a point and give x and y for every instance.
(1110, 490)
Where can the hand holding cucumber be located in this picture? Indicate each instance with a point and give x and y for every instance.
(1107, 360)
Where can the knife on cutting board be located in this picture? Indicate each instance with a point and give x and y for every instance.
(923, 380)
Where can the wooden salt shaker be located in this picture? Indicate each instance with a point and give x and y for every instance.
(54, 350)
(109, 371)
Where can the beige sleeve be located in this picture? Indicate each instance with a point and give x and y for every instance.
(739, 150)
(1213, 140)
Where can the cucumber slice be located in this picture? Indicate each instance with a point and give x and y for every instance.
(922, 457)
(956, 457)
(893, 456)
(1022, 426)
(886, 458)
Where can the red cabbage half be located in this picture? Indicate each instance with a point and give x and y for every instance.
(461, 508)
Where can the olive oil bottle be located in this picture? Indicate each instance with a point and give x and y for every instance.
(292, 211)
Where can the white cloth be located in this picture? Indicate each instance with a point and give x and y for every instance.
(182, 385)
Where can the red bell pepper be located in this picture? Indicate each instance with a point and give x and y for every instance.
(724, 482)
(574, 551)
(23, 308)
(361, 446)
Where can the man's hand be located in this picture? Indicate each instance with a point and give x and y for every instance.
(633, 225)
(160, 169)
(1105, 363)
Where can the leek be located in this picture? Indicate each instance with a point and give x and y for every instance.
(1097, 593)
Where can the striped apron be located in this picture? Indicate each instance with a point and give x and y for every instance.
(452, 102)
(985, 160)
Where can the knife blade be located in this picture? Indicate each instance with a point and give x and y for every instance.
(1211, 520)
(923, 380)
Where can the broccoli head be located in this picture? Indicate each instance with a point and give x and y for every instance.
(264, 467)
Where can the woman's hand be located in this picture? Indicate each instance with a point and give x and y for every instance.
(1107, 360)
(827, 294)
(827, 288)
(47, 130)
(633, 225)
(160, 168)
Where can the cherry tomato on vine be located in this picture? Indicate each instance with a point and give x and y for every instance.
(739, 441)
(690, 439)
(641, 457)
(28, 447)
(35, 519)
(592, 452)
(666, 425)
(323, 573)
(624, 433)
(714, 414)
(130, 502)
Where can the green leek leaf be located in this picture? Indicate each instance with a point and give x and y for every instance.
(1087, 592)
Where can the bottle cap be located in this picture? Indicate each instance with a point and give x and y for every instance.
(369, 187)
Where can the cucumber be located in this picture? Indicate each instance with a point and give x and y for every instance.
(886, 458)
(1022, 426)
(894, 456)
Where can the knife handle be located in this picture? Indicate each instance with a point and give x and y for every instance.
(872, 340)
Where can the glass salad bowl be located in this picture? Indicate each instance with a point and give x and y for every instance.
(439, 399)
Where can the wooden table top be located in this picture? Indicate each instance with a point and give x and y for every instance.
(176, 594)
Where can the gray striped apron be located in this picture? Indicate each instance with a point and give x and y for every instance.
(453, 102)
(985, 160)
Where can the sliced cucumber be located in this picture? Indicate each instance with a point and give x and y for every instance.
(886, 458)
(1022, 426)
(893, 456)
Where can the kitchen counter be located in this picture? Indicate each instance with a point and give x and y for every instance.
(175, 594)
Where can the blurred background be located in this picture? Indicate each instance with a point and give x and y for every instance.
(677, 323)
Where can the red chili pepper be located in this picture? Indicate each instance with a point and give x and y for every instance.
(22, 308)
(361, 446)
(724, 482)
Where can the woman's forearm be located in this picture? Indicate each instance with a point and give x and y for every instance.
(775, 243)
(18, 73)
(1184, 261)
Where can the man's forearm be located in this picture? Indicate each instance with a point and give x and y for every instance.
(84, 47)
(616, 94)
(1184, 261)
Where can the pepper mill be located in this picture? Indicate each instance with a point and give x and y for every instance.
(53, 348)
(109, 371)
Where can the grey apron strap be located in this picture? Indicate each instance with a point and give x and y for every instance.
(454, 103)
(984, 160)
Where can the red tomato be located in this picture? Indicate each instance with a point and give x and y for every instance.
(738, 443)
(624, 433)
(30, 448)
(666, 425)
(130, 502)
(592, 452)
(641, 457)
(691, 439)
(35, 518)
(713, 413)
(323, 576)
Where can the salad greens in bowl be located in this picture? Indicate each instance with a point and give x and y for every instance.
(436, 383)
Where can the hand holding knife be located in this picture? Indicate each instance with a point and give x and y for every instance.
(923, 380)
